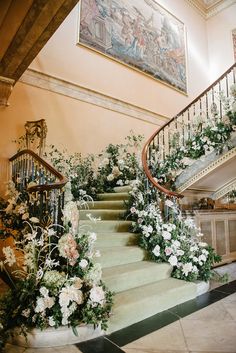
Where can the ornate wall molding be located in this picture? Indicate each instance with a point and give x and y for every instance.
(212, 9)
(6, 86)
(212, 166)
(224, 190)
(75, 91)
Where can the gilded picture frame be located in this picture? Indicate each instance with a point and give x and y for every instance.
(138, 33)
(234, 43)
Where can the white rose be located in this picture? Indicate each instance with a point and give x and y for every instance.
(202, 258)
(44, 291)
(173, 260)
(51, 321)
(83, 263)
(97, 295)
(110, 177)
(166, 235)
(187, 268)
(156, 250)
(40, 307)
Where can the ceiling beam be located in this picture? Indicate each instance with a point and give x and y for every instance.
(39, 20)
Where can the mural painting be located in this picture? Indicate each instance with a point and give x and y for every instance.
(139, 33)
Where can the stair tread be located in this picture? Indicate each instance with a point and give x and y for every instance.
(85, 221)
(113, 196)
(104, 214)
(97, 210)
(133, 267)
(125, 188)
(116, 233)
(120, 249)
(106, 204)
(156, 289)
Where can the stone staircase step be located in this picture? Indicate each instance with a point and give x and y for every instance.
(116, 239)
(109, 205)
(139, 303)
(103, 214)
(120, 255)
(124, 277)
(113, 196)
(125, 188)
(105, 226)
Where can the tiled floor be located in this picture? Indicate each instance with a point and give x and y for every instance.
(212, 329)
(206, 324)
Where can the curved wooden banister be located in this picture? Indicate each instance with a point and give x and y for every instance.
(206, 90)
(147, 145)
(57, 185)
(148, 173)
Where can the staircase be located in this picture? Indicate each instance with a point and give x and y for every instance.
(142, 288)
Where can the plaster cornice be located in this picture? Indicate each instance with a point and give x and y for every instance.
(224, 190)
(212, 9)
(70, 89)
(210, 168)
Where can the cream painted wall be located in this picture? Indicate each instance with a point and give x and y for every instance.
(220, 46)
(73, 124)
(62, 58)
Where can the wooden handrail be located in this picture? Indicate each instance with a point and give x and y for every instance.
(148, 173)
(57, 185)
(204, 92)
(147, 144)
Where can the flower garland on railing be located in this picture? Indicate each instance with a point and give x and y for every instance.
(210, 135)
(54, 279)
(168, 236)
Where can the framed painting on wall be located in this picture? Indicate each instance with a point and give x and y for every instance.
(234, 42)
(138, 33)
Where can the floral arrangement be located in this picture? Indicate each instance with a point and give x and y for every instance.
(209, 135)
(115, 166)
(168, 236)
(78, 170)
(13, 211)
(119, 164)
(54, 279)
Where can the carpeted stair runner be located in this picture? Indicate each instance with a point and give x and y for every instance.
(142, 288)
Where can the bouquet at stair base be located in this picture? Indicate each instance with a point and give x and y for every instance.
(54, 280)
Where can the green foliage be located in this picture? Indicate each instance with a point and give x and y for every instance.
(79, 170)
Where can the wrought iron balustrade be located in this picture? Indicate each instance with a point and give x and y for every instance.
(208, 106)
(43, 183)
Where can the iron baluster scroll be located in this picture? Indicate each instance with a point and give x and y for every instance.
(43, 184)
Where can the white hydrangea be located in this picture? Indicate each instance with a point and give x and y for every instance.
(71, 214)
(94, 275)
